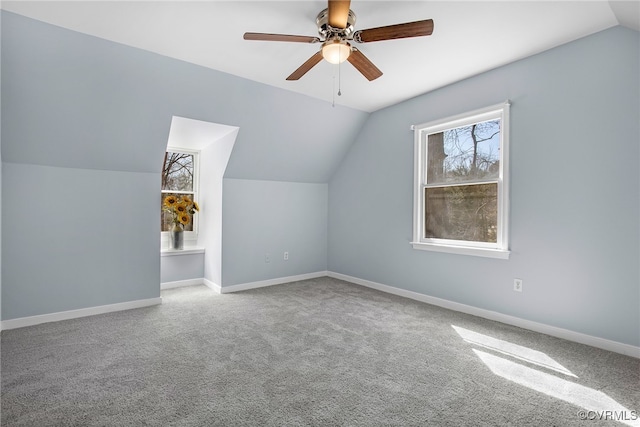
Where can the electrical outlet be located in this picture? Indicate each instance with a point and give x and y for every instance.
(286, 256)
(517, 285)
(267, 258)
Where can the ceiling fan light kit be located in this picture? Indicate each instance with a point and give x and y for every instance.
(336, 51)
(335, 26)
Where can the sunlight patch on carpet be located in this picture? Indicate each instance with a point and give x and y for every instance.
(597, 402)
(526, 354)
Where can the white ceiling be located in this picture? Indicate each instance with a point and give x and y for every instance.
(469, 37)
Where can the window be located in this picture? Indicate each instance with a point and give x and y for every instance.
(460, 186)
(180, 179)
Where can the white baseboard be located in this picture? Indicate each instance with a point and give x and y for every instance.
(211, 285)
(616, 347)
(191, 282)
(21, 322)
(181, 283)
(271, 282)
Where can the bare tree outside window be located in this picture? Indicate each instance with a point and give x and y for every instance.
(177, 173)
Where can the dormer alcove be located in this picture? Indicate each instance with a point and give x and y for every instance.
(201, 259)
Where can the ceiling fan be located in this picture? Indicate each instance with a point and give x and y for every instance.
(335, 26)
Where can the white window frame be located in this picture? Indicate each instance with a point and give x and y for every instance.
(190, 237)
(500, 249)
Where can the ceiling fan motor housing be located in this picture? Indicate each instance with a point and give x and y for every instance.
(328, 32)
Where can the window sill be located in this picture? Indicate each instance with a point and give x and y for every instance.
(462, 250)
(188, 250)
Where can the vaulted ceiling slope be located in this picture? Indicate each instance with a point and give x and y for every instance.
(77, 101)
(469, 37)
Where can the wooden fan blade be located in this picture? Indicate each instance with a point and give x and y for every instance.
(398, 31)
(339, 13)
(280, 38)
(309, 64)
(362, 64)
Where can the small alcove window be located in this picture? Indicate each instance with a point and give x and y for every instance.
(180, 179)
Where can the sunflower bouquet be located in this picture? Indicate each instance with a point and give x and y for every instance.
(181, 209)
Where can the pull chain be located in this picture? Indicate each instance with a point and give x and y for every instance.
(339, 81)
(333, 92)
(333, 99)
(339, 74)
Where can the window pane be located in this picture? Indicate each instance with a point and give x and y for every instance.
(464, 154)
(166, 219)
(465, 212)
(177, 173)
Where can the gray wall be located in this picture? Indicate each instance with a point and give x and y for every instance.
(270, 217)
(84, 127)
(575, 192)
(76, 238)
